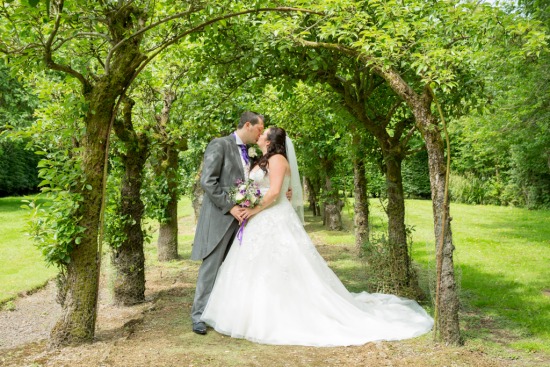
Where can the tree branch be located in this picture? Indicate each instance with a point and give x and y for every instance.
(391, 112)
(93, 34)
(48, 52)
(406, 139)
(393, 78)
(196, 28)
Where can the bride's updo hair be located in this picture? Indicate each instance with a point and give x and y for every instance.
(276, 137)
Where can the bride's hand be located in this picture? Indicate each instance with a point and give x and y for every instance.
(249, 213)
(237, 213)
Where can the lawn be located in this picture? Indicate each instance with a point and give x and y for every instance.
(21, 264)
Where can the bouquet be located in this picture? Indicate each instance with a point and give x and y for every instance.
(246, 194)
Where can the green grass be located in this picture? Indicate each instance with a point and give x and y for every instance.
(21, 263)
(502, 260)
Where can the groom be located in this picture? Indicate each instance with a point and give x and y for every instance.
(225, 161)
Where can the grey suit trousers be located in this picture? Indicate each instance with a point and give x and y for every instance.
(209, 270)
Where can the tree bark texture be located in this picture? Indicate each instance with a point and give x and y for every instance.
(312, 196)
(397, 234)
(332, 217)
(128, 258)
(77, 322)
(448, 307)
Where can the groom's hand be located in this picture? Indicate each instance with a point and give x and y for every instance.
(237, 212)
(289, 194)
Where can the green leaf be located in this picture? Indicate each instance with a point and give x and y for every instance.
(33, 3)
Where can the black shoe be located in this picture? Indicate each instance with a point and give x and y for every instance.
(199, 328)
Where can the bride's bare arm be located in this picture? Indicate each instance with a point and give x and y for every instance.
(278, 168)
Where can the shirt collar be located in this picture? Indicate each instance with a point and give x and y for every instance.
(237, 139)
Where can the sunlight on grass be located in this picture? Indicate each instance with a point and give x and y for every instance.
(22, 264)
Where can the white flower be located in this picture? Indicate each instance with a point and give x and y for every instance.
(239, 196)
(252, 153)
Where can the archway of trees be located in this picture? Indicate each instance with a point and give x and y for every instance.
(131, 91)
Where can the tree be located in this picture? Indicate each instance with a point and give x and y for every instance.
(382, 115)
(126, 233)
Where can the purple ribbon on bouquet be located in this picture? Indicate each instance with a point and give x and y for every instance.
(240, 232)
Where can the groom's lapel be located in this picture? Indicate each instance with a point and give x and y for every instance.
(236, 154)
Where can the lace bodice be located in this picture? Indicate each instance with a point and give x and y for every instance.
(262, 179)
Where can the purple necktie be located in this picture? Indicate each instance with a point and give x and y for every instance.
(244, 153)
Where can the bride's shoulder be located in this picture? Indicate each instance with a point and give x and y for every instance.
(278, 165)
(278, 159)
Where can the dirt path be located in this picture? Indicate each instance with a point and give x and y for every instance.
(158, 333)
(31, 320)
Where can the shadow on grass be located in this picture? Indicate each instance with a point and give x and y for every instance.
(10, 204)
(14, 203)
(503, 310)
(533, 226)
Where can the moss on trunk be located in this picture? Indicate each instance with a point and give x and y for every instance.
(77, 323)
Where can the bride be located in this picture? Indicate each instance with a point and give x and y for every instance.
(275, 288)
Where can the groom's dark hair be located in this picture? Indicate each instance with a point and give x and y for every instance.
(249, 116)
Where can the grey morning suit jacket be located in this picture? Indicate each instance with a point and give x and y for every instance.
(221, 169)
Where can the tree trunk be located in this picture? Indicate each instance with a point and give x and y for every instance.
(333, 217)
(77, 322)
(420, 104)
(448, 305)
(332, 207)
(128, 258)
(168, 233)
(361, 204)
(397, 234)
(312, 194)
(167, 245)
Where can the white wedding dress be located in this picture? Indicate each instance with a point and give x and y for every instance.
(275, 288)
